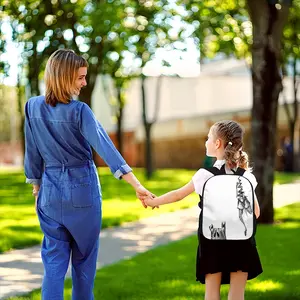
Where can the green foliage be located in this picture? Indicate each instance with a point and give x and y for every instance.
(225, 27)
(104, 32)
(221, 26)
(8, 111)
(291, 35)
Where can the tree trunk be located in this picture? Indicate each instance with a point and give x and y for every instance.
(21, 114)
(33, 74)
(120, 120)
(86, 95)
(268, 23)
(87, 91)
(148, 152)
(293, 128)
(147, 127)
(93, 71)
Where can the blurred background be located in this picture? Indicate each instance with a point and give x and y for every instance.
(161, 72)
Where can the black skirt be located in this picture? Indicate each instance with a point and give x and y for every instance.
(214, 256)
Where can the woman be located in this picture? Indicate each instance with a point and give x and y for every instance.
(59, 136)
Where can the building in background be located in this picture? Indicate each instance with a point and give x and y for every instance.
(187, 109)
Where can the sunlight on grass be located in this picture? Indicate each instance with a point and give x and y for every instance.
(288, 213)
(172, 284)
(19, 225)
(13, 169)
(282, 178)
(119, 207)
(168, 272)
(288, 225)
(265, 286)
(294, 272)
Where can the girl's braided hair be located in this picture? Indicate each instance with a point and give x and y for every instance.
(231, 133)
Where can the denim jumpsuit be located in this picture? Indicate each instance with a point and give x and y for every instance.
(58, 157)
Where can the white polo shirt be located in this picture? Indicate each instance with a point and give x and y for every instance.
(202, 175)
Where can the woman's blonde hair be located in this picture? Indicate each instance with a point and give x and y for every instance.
(231, 133)
(60, 75)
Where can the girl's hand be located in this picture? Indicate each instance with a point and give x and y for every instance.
(144, 194)
(149, 201)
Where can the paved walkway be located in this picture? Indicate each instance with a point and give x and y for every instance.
(21, 270)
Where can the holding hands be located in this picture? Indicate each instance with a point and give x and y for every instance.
(150, 201)
(141, 192)
(145, 196)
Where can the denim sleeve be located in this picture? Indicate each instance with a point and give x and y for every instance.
(97, 137)
(33, 162)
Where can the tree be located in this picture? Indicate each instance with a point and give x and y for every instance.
(220, 27)
(117, 100)
(151, 22)
(268, 21)
(224, 26)
(89, 28)
(94, 29)
(38, 42)
(148, 123)
(291, 58)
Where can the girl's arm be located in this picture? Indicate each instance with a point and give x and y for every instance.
(172, 196)
(141, 192)
(256, 207)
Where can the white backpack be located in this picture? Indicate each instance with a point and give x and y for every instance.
(227, 206)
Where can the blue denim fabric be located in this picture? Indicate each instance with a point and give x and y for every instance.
(64, 135)
(69, 211)
(58, 157)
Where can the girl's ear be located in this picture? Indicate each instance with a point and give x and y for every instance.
(218, 143)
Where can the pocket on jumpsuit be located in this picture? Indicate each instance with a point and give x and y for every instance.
(46, 190)
(81, 195)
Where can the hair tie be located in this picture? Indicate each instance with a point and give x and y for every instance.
(230, 143)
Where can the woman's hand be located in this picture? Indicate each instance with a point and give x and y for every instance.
(36, 197)
(142, 193)
(35, 193)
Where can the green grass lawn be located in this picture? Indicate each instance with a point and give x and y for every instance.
(282, 178)
(19, 226)
(168, 272)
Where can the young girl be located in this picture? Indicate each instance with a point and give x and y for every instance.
(226, 261)
(59, 136)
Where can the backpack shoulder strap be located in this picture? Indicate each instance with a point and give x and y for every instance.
(214, 170)
(239, 171)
